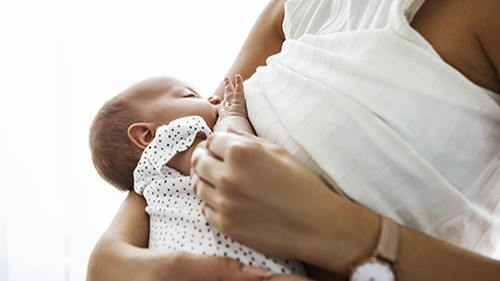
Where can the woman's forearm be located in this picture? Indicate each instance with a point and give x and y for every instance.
(353, 235)
(113, 259)
(425, 258)
(119, 253)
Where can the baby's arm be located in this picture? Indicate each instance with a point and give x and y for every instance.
(233, 110)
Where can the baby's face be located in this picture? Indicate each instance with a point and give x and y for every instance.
(168, 99)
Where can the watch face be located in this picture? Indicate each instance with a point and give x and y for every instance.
(373, 271)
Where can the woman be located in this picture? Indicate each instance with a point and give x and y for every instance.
(391, 145)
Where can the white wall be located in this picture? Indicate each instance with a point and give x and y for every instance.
(59, 61)
(3, 240)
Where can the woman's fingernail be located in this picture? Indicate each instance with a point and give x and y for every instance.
(256, 271)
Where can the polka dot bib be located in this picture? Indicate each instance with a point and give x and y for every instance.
(176, 222)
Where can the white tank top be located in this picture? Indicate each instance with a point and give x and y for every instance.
(362, 99)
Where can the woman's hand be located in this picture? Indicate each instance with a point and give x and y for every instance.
(123, 262)
(182, 266)
(285, 277)
(256, 193)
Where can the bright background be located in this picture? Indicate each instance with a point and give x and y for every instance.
(59, 62)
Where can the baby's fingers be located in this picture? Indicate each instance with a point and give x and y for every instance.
(239, 93)
(228, 86)
(239, 83)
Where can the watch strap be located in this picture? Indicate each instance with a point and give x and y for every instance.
(388, 241)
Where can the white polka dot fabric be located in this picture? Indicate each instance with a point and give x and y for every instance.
(176, 222)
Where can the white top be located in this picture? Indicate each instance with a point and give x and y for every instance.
(175, 219)
(365, 101)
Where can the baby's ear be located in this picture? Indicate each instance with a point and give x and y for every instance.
(141, 134)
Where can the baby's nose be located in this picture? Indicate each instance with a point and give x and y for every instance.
(215, 100)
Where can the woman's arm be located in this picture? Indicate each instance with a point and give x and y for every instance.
(121, 254)
(333, 232)
(265, 39)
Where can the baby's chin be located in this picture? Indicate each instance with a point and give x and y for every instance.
(212, 123)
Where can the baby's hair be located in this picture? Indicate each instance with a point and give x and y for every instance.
(113, 154)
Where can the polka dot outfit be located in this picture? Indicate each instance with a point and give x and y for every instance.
(176, 222)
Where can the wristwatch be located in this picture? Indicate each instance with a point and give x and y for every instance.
(380, 265)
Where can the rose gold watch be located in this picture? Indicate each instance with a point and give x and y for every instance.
(380, 265)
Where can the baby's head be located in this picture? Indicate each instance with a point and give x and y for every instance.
(127, 123)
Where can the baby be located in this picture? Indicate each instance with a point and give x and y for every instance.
(144, 137)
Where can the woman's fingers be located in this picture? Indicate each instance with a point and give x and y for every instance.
(205, 165)
(284, 277)
(210, 215)
(220, 144)
(198, 151)
(203, 190)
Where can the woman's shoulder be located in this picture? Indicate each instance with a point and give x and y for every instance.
(465, 34)
(488, 32)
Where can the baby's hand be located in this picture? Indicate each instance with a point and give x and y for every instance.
(233, 110)
(234, 103)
